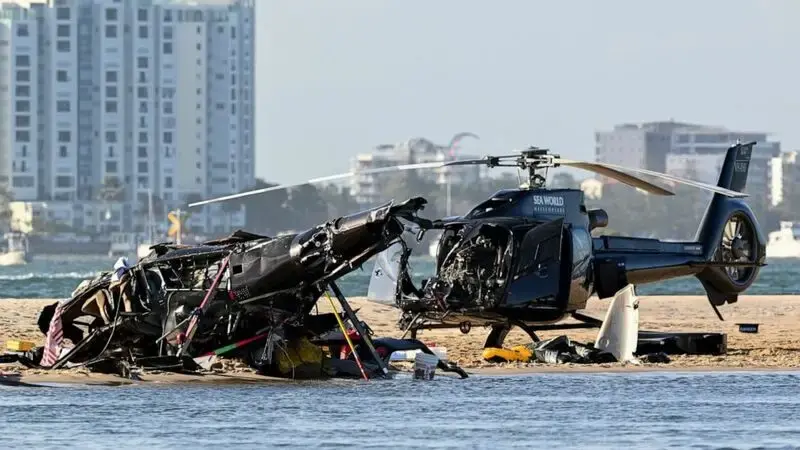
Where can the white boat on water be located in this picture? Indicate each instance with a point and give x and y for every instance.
(785, 242)
(16, 251)
(122, 244)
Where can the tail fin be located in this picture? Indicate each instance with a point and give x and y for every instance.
(733, 176)
(734, 171)
(720, 285)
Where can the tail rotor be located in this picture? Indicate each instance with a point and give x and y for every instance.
(734, 245)
(738, 245)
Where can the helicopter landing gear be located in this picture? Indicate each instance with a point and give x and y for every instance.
(499, 333)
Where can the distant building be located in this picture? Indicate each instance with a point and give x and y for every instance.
(786, 177)
(686, 150)
(701, 151)
(643, 146)
(368, 189)
(152, 95)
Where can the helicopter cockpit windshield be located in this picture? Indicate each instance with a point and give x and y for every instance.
(500, 200)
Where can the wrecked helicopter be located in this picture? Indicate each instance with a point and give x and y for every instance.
(526, 258)
(247, 296)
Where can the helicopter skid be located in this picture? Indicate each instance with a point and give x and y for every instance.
(465, 322)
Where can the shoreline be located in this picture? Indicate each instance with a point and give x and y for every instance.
(775, 348)
(237, 380)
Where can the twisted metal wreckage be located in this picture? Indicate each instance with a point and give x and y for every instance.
(246, 296)
(522, 258)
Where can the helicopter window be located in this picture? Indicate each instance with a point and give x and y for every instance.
(488, 206)
(581, 244)
(549, 249)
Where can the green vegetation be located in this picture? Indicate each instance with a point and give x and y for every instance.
(630, 211)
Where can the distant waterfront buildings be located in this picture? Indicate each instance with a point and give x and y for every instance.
(688, 150)
(368, 190)
(132, 96)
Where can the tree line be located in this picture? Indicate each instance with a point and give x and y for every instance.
(631, 212)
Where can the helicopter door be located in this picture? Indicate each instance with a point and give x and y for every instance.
(386, 276)
(537, 275)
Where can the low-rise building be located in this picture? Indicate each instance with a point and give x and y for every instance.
(367, 189)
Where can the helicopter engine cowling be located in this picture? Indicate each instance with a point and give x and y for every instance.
(473, 266)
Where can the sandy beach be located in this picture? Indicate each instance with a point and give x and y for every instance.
(775, 347)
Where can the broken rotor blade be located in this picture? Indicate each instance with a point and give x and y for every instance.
(617, 175)
(427, 165)
(600, 167)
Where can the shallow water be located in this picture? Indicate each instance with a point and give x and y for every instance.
(640, 410)
(49, 278)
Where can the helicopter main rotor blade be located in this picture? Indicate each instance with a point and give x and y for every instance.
(617, 175)
(339, 176)
(605, 167)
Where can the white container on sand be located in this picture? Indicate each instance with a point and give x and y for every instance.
(425, 366)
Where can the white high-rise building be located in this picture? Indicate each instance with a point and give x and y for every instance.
(368, 190)
(141, 95)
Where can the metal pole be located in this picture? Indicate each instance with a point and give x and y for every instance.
(192, 328)
(357, 325)
(149, 216)
(447, 174)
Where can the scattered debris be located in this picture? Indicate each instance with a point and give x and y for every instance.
(748, 327)
(682, 343)
(652, 347)
(560, 350)
(19, 346)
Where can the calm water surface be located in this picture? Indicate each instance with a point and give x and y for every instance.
(649, 411)
(51, 278)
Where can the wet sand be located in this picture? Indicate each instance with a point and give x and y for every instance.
(775, 347)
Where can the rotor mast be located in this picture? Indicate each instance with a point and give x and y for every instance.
(534, 159)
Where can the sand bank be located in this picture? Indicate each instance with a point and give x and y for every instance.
(775, 347)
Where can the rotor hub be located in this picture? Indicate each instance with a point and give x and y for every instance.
(738, 247)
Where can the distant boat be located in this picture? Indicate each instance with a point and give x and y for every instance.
(122, 244)
(785, 242)
(16, 251)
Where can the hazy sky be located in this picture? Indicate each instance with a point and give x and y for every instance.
(336, 78)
